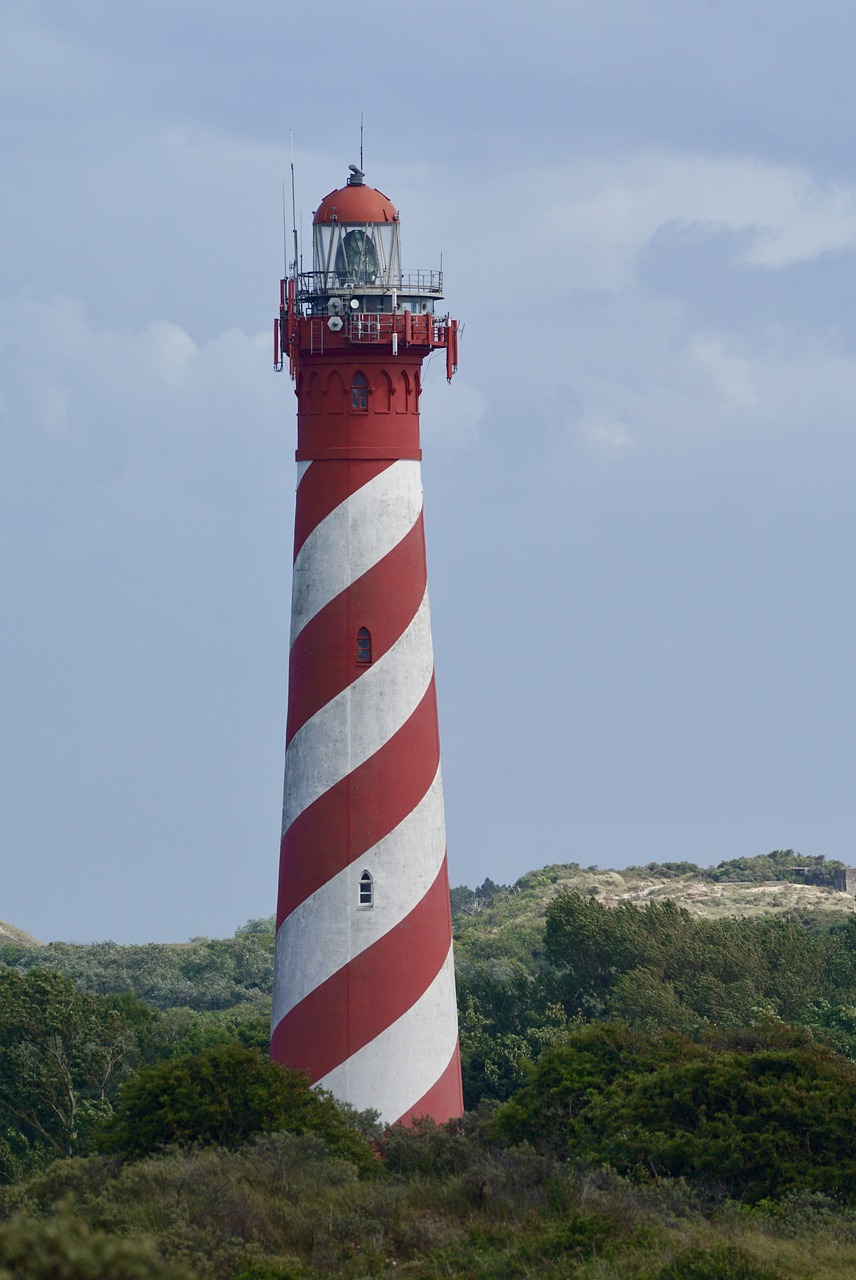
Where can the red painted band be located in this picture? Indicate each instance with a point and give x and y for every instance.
(444, 1100)
(358, 1002)
(387, 451)
(385, 600)
(346, 821)
(325, 487)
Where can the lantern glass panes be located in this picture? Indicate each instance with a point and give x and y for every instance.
(350, 256)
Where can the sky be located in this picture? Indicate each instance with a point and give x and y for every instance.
(638, 487)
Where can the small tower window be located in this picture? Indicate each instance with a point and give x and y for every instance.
(366, 890)
(360, 393)
(364, 646)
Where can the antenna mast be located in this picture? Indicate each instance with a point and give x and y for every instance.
(293, 202)
(284, 236)
(361, 143)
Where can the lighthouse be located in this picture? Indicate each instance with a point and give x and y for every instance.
(364, 987)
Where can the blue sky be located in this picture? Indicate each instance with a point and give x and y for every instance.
(638, 487)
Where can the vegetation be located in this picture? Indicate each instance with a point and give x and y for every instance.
(61, 1056)
(205, 974)
(654, 1093)
(540, 955)
(62, 1246)
(752, 1115)
(447, 1202)
(223, 1096)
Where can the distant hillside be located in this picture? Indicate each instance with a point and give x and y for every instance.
(700, 896)
(490, 922)
(513, 915)
(9, 933)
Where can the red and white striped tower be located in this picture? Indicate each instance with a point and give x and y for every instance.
(364, 988)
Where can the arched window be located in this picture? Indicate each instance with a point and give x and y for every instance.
(316, 397)
(360, 393)
(382, 393)
(334, 393)
(364, 646)
(402, 393)
(366, 890)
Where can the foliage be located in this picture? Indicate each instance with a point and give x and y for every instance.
(205, 974)
(722, 1262)
(565, 943)
(506, 1016)
(63, 1248)
(258, 925)
(225, 1095)
(62, 1054)
(759, 1114)
(172, 1032)
(660, 966)
(454, 1203)
(781, 864)
(466, 901)
(663, 870)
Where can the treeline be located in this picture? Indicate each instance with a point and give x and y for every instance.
(651, 1096)
(205, 974)
(782, 864)
(654, 967)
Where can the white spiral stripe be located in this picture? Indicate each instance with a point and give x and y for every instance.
(353, 538)
(302, 468)
(400, 1065)
(328, 928)
(357, 722)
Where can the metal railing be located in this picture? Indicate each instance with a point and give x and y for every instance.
(316, 284)
(381, 326)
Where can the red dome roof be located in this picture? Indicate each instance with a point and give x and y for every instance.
(357, 203)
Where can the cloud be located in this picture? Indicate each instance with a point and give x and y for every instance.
(543, 232)
(606, 433)
(618, 208)
(580, 324)
(731, 374)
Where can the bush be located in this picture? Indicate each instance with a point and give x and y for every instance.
(224, 1095)
(723, 1262)
(64, 1248)
(756, 1114)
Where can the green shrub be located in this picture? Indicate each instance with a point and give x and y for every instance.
(64, 1248)
(224, 1095)
(722, 1262)
(758, 1115)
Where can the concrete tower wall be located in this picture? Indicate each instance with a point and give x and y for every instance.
(364, 995)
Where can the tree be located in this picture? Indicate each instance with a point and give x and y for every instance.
(61, 1056)
(204, 974)
(258, 924)
(659, 965)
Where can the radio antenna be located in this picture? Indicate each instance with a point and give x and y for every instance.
(284, 237)
(361, 143)
(293, 201)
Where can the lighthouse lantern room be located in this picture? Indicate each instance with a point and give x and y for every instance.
(364, 994)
